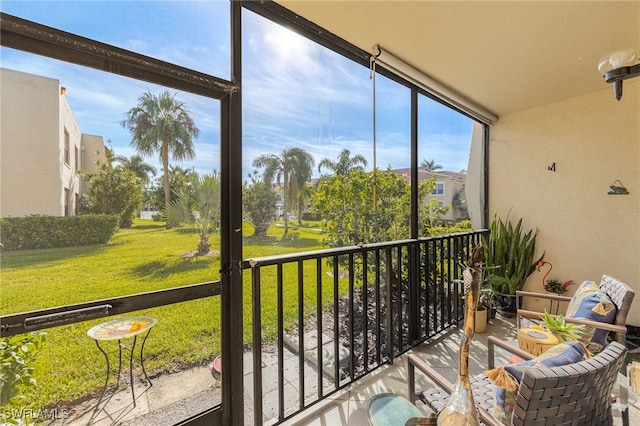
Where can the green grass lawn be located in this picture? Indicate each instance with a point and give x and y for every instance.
(144, 258)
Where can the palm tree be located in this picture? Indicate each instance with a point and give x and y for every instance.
(430, 166)
(161, 125)
(137, 165)
(198, 207)
(293, 168)
(345, 163)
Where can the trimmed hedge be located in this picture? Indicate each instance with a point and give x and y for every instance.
(37, 232)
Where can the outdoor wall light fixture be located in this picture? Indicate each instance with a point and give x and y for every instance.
(618, 66)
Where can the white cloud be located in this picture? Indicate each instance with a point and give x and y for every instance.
(295, 93)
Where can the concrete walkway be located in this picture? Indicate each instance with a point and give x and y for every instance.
(172, 398)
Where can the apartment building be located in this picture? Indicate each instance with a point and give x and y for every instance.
(449, 185)
(42, 148)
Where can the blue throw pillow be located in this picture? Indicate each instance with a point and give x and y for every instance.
(590, 303)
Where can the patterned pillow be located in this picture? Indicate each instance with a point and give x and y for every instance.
(507, 378)
(590, 303)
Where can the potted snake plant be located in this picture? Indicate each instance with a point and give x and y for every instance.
(509, 256)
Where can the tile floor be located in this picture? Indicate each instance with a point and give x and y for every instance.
(350, 406)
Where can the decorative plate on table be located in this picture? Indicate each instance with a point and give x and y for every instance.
(121, 328)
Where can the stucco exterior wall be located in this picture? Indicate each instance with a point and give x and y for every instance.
(451, 188)
(474, 187)
(593, 140)
(35, 119)
(30, 145)
(70, 179)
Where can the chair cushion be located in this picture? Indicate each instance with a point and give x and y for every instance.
(590, 303)
(507, 378)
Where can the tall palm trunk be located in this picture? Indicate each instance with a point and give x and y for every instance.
(165, 178)
(285, 201)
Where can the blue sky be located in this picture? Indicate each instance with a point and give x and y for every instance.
(295, 93)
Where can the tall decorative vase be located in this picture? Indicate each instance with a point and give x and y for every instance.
(461, 409)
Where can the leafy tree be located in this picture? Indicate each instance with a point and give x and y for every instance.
(292, 168)
(161, 125)
(430, 166)
(344, 164)
(345, 203)
(259, 202)
(113, 190)
(197, 207)
(179, 179)
(137, 165)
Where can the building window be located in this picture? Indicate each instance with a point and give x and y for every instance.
(76, 160)
(67, 201)
(76, 205)
(438, 189)
(67, 144)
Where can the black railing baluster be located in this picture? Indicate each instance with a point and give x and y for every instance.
(301, 331)
(428, 287)
(443, 285)
(414, 295)
(457, 261)
(319, 342)
(280, 304)
(436, 285)
(365, 309)
(351, 320)
(389, 313)
(452, 297)
(336, 329)
(378, 306)
(257, 346)
(399, 298)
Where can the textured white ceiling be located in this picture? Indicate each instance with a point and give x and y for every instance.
(506, 56)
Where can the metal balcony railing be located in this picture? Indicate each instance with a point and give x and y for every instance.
(342, 313)
(320, 320)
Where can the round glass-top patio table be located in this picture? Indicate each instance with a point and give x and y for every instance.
(122, 328)
(119, 329)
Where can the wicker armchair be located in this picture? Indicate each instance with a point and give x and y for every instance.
(575, 394)
(620, 293)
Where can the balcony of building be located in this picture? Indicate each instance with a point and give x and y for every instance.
(561, 141)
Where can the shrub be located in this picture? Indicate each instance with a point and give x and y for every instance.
(259, 204)
(17, 355)
(113, 190)
(37, 232)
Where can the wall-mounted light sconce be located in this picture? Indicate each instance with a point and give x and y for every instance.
(618, 189)
(618, 66)
(63, 90)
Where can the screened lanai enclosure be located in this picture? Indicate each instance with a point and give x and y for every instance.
(301, 208)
